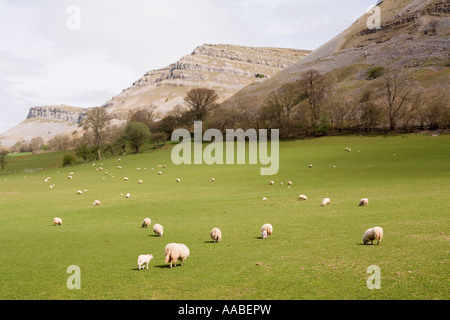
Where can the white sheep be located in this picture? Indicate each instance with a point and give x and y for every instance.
(79, 192)
(264, 199)
(158, 229)
(127, 195)
(325, 201)
(57, 221)
(125, 179)
(272, 182)
(97, 203)
(363, 202)
(310, 166)
(289, 183)
(146, 222)
(264, 234)
(143, 260)
(174, 252)
(140, 182)
(119, 167)
(212, 180)
(375, 233)
(216, 235)
(302, 197)
(69, 177)
(267, 228)
(178, 179)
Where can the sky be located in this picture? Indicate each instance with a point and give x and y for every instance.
(83, 52)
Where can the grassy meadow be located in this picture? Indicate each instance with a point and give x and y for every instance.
(315, 252)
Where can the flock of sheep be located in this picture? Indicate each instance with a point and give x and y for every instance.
(174, 252)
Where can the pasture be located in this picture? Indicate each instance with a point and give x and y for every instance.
(315, 252)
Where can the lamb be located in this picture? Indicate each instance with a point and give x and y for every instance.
(264, 234)
(268, 229)
(146, 222)
(216, 235)
(325, 201)
(302, 197)
(363, 202)
(174, 252)
(97, 203)
(375, 233)
(143, 260)
(158, 229)
(57, 221)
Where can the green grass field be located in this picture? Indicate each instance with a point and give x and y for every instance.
(315, 252)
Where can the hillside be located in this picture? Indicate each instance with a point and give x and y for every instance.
(414, 36)
(222, 67)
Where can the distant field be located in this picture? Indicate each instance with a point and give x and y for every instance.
(315, 252)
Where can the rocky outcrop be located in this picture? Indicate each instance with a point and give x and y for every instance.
(61, 112)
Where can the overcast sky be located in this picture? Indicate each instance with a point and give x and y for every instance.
(50, 54)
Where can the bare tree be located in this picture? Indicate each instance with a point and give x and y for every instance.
(313, 86)
(397, 88)
(3, 161)
(97, 119)
(201, 101)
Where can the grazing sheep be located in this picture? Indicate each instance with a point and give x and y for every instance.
(178, 179)
(146, 222)
(216, 235)
(302, 197)
(140, 182)
(143, 260)
(289, 183)
(79, 192)
(174, 252)
(119, 167)
(159, 173)
(97, 203)
(264, 234)
(125, 179)
(71, 174)
(268, 228)
(127, 195)
(346, 149)
(272, 183)
(310, 165)
(325, 201)
(375, 233)
(158, 229)
(264, 199)
(212, 180)
(281, 183)
(69, 177)
(57, 221)
(363, 202)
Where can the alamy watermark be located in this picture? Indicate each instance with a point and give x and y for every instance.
(374, 20)
(213, 153)
(374, 281)
(74, 281)
(73, 22)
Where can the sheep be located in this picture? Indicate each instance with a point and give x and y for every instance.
(174, 252)
(363, 202)
(212, 180)
(216, 235)
(325, 201)
(178, 179)
(143, 260)
(372, 234)
(57, 221)
(127, 195)
(140, 182)
(159, 173)
(119, 167)
(289, 183)
(281, 183)
(158, 229)
(79, 192)
(146, 222)
(71, 174)
(271, 182)
(268, 229)
(264, 234)
(125, 179)
(302, 197)
(310, 166)
(264, 199)
(97, 203)
(69, 177)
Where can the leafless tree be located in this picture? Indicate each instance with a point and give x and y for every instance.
(201, 101)
(97, 119)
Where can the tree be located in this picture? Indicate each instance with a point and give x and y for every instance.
(397, 88)
(137, 133)
(97, 119)
(201, 101)
(279, 106)
(147, 116)
(3, 161)
(369, 113)
(312, 86)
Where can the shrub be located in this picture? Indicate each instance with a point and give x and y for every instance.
(374, 72)
(69, 160)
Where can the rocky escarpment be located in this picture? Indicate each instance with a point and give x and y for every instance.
(61, 112)
(221, 67)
